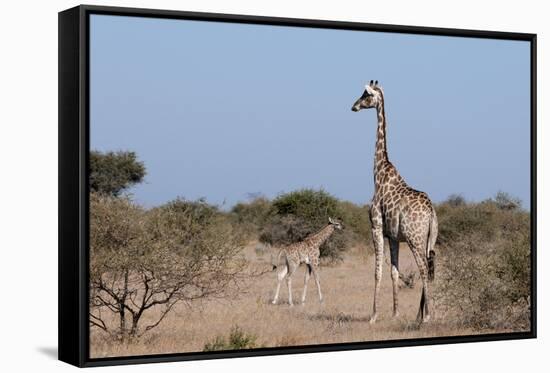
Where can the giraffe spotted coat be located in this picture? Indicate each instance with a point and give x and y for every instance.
(398, 213)
(306, 252)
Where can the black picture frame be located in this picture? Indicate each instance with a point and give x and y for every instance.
(74, 148)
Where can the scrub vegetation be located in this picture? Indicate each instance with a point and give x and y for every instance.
(189, 276)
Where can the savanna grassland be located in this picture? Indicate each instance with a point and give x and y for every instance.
(343, 316)
(187, 276)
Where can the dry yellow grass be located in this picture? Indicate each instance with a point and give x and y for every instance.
(343, 317)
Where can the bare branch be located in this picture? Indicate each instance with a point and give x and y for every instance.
(163, 314)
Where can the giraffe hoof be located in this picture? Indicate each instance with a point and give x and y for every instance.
(395, 315)
(274, 302)
(372, 319)
(426, 319)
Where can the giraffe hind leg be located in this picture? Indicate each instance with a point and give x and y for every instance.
(394, 255)
(280, 276)
(315, 271)
(423, 315)
(422, 263)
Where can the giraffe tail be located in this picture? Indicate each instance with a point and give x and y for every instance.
(430, 252)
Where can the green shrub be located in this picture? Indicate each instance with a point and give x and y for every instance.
(238, 340)
(252, 216)
(357, 221)
(463, 220)
(505, 201)
(310, 204)
(186, 218)
(256, 211)
(113, 172)
(455, 200)
(513, 265)
(484, 287)
(488, 218)
(297, 214)
(484, 279)
(284, 230)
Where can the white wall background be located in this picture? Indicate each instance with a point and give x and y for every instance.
(28, 183)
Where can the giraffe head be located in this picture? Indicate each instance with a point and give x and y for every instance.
(335, 223)
(370, 98)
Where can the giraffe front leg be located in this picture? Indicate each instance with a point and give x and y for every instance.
(306, 280)
(289, 284)
(315, 271)
(378, 239)
(291, 270)
(280, 276)
(394, 255)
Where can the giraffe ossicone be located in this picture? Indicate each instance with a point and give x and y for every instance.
(397, 212)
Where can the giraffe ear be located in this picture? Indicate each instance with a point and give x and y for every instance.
(330, 220)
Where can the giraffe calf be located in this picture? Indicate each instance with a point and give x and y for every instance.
(307, 251)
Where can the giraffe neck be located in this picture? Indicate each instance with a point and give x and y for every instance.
(381, 152)
(318, 238)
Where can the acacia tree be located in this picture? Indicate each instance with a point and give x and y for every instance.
(113, 172)
(143, 260)
(505, 201)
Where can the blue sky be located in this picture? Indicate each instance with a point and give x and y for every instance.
(221, 110)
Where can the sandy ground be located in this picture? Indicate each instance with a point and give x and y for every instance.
(343, 317)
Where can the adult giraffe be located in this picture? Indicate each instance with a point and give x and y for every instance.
(399, 213)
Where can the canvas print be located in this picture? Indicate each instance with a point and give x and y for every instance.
(255, 186)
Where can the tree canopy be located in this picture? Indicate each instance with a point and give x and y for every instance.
(113, 172)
